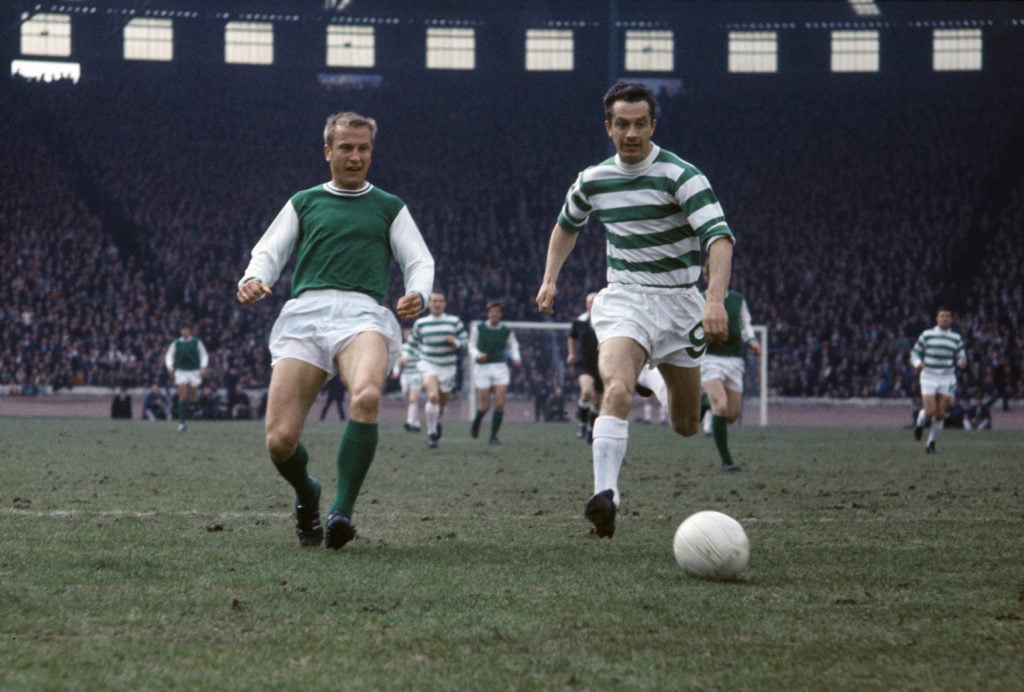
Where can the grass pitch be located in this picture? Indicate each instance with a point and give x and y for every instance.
(135, 557)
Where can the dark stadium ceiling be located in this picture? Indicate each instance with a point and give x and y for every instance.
(544, 11)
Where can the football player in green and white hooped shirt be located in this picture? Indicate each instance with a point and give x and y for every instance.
(407, 371)
(345, 234)
(659, 212)
(438, 337)
(936, 354)
(490, 343)
(185, 360)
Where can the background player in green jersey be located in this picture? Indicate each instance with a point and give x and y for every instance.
(186, 359)
(936, 354)
(344, 234)
(659, 213)
(721, 374)
(490, 343)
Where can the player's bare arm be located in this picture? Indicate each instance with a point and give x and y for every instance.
(715, 319)
(559, 247)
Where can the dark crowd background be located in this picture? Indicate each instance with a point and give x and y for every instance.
(128, 207)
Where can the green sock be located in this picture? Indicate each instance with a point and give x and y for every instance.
(181, 410)
(358, 445)
(294, 471)
(479, 417)
(496, 422)
(719, 428)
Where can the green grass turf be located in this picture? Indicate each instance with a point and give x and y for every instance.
(134, 557)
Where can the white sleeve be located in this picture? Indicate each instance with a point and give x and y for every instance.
(746, 328)
(474, 335)
(204, 357)
(412, 255)
(272, 251)
(513, 347)
(169, 357)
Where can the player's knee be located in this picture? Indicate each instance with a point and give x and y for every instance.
(366, 401)
(282, 443)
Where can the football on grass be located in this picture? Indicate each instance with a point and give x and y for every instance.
(711, 545)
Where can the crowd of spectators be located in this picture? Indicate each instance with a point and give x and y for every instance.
(129, 207)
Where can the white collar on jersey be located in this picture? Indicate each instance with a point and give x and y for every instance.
(636, 167)
(347, 193)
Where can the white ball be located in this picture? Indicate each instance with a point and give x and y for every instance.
(711, 545)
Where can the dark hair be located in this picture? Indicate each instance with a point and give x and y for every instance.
(630, 92)
(493, 304)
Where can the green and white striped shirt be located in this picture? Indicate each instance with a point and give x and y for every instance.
(429, 335)
(940, 350)
(657, 215)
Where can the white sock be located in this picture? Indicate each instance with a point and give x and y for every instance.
(411, 415)
(937, 425)
(610, 437)
(921, 418)
(648, 410)
(707, 422)
(433, 412)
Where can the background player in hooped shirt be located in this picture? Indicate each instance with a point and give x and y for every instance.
(936, 355)
(438, 337)
(407, 372)
(659, 213)
(344, 234)
(489, 342)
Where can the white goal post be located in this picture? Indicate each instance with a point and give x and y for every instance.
(761, 332)
(546, 341)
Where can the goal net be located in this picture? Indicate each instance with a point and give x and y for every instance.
(545, 388)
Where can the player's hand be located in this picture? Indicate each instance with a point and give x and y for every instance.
(755, 346)
(481, 358)
(716, 323)
(251, 291)
(546, 299)
(409, 306)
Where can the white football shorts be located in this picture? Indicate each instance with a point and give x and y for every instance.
(189, 377)
(445, 374)
(491, 375)
(728, 369)
(411, 378)
(935, 384)
(666, 322)
(318, 325)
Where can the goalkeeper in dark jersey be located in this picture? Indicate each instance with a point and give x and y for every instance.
(344, 234)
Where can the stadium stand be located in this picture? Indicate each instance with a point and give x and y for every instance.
(129, 205)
